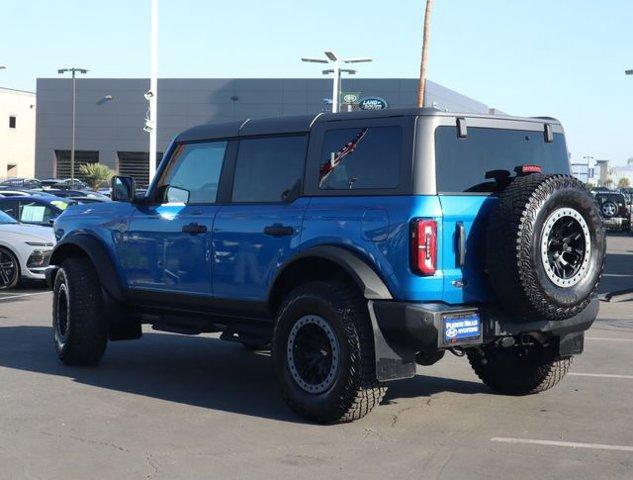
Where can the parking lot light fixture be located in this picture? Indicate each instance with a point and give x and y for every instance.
(2, 67)
(628, 72)
(336, 71)
(74, 71)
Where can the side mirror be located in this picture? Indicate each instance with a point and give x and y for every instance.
(123, 189)
(176, 194)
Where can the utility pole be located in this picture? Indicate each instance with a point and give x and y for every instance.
(426, 36)
(73, 71)
(151, 122)
(336, 71)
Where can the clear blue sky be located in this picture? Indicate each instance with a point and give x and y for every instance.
(563, 58)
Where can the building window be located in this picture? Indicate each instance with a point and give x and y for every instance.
(12, 121)
(136, 165)
(62, 169)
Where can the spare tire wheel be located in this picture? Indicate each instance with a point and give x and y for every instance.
(545, 247)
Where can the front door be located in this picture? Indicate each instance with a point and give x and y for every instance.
(261, 227)
(167, 246)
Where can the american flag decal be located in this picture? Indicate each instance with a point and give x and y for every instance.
(337, 157)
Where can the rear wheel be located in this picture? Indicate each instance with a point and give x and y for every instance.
(324, 354)
(9, 269)
(80, 330)
(519, 370)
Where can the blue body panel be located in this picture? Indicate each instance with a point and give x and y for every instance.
(236, 260)
(465, 284)
(245, 259)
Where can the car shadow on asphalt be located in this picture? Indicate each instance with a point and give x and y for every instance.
(617, 274)
(198, 371)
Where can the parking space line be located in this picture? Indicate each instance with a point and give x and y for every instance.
(555, 443)
(22, 295)
(606, 339)
(603, 375)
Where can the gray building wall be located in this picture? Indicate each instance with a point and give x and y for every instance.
(116, 124)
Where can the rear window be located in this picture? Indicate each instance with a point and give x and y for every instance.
(462, 163)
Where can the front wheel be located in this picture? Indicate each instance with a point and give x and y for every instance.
(520, 370)
(9, 269)
(80, 330)
(324, 354)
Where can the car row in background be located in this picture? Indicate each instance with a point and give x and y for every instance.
(34, 183)
(25, 251)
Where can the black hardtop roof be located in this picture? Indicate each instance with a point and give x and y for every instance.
(303, 123)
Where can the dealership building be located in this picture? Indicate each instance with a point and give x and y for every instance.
(110, 113)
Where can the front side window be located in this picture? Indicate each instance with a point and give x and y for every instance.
(357, 158)
(193, 173)
(268, 169)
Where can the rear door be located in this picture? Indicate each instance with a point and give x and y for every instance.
(261, 227)
(467, 196)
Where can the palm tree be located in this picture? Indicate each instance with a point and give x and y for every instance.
(425, 51)
(96, 174)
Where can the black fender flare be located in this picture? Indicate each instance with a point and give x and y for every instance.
(372, 286)
(98, 254)
(390, 363)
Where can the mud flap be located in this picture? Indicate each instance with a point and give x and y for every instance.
(390, 364)
(571, 344)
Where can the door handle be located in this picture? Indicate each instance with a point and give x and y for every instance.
(460, 230)
(278, 230)
(194, 228)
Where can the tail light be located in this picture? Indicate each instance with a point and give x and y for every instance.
(424, 246)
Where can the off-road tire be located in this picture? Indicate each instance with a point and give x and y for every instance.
(77, 294)
(355, 390)
(519, 370)
(513, 247)
(16, 279)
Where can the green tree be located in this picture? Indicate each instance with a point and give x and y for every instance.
(96, 174)
(624, 182)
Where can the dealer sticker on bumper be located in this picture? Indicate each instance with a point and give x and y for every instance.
(462, 328)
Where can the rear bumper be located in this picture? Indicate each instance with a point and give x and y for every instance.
(616, 222)
(402, 329)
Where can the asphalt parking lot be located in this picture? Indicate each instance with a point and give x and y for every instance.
(170, 407)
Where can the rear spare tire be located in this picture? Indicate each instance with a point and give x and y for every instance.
(545, 247)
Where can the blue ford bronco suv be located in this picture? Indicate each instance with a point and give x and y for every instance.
(354, 245)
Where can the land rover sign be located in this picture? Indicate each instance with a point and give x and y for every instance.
(372, 103)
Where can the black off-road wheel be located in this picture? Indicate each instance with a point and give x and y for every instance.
(80, 330)
(324, 354)
(545, 247)
(519, 370)
(9, 269)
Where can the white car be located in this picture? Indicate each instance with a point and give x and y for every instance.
(24, 251)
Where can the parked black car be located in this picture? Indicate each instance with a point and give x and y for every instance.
(615, 210)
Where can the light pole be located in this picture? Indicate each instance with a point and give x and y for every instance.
(336, 70)
(152, 94)
(2, 67)
(628, 72)
(73, 71)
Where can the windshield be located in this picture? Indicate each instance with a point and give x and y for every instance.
(5, 219)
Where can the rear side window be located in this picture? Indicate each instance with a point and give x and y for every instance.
(268, 168)
(356, 158)
(462, 163)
